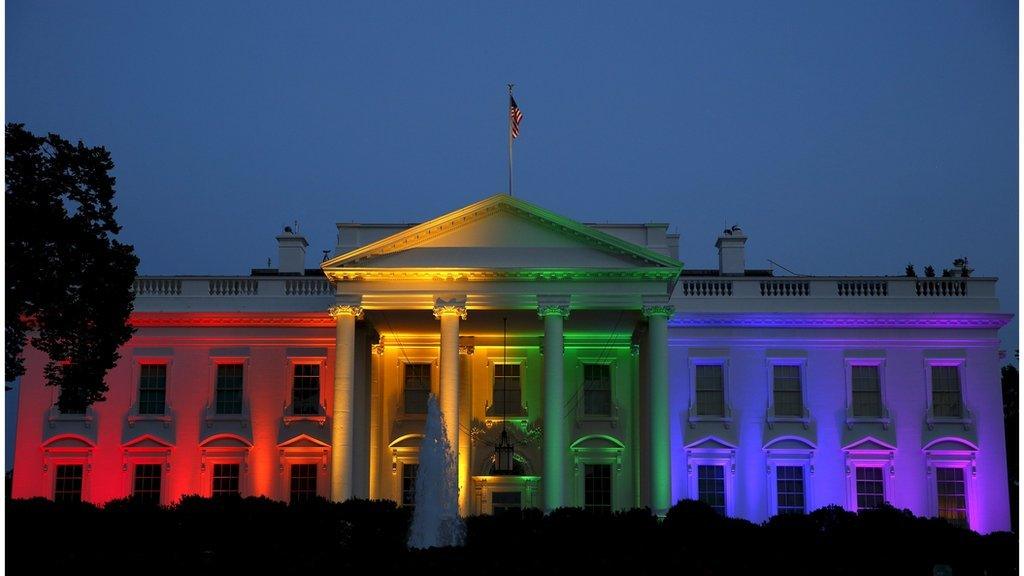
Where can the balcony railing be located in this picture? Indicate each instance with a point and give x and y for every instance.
(230, 286)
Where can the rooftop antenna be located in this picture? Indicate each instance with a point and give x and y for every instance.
(783, 267)
(326, 252)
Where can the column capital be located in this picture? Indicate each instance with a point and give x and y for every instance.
(666, 310)
(552, 305)
(445, 306)
(467, 349)
(339, 310)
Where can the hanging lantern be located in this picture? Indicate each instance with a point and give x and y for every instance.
(504, 455)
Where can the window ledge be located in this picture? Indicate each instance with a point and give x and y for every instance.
(320, 419)
(693, 419)
(492, 412)
(967, 420)
(135, 418)
(521, 421)
(56, 416)
(852, 421)
(611, 420)
(804, 420)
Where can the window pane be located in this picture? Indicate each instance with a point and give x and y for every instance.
(409, 472)
(946, 399)
(507, 394)
(303, 483)
(952, 495)
(866, 392)
(225, 480)
(67, 485)
(503, 502)
(597, 488)
(787, 393)
(597, 390)
(711, 486)
(306, 389)
(152, 388)
(789, 482)
(229, 389)
(710, 390)
(417, 388)
(870, 487)
(147, 483)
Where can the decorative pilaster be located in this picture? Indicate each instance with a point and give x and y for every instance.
(554, 310)
(345, 316)
(465, 415)
(660, 453)
(449, 312)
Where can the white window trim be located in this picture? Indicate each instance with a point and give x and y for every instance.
(289, 416)
(211, 406)
(771, 363)
(304, 455)
(790, 457)
(135, 372)
(884, 459)
(965, 460)
(612, 456)
(967, 417)
(63, 456)
(524, 415)
(401, 457)
(885, 420)
(484, 486)
(691, 417)
(435, 379)
(135, 456)
(211, 456)
(581, 363)
(714, 457)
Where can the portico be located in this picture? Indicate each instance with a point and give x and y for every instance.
(446, 286)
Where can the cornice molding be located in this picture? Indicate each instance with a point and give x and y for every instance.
(822, 320)
(489, 274)
(231, 319)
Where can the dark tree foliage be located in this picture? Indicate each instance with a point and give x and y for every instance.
(68, 279)
(929, 271)
(909, 271)
(1010, 379)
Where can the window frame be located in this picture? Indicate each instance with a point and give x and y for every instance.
(432, 380)
(692, 416)
(135, 373)
(801, 363)
(794, 457)
(611, 484)
(212, 456)
(966, 418)
(63, 455)
(491, 409)
(884, 418)
(870, 458)
(584, 364)
(215, 363)
(162, 497)
(56, 474)
(609, 451)
(318, 476)
(289, 454)
(966, 459)
(289, 412)
(713, 457)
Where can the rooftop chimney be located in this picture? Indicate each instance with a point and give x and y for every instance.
(731, 260)
(291, 253)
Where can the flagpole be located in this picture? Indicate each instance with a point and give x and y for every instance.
(509, 115)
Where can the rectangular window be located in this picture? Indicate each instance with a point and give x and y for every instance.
(952, 495)
(711, 486)
(866, 391)
(788, 396)
(306, 389)
(597, 390)
(67, 485)
(946, 399)
(710, 390)
(146, 487)
(507, 394)
(870, 487)
(597, 488)
(409, 472)
(225, 480)
(789, 484)
(152, 388)
(503, 502)
(303, 483)
(229, 389)
(417, 388)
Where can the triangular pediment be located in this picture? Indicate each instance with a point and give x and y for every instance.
(501, 233)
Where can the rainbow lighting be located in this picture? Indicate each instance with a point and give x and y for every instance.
(626, 380)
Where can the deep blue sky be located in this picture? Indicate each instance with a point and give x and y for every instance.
(846, 138)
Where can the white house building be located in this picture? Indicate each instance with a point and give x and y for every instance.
(623, 378)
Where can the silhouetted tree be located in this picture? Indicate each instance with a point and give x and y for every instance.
(69, 281)
(1009, 380)
(910, 271)
(929, 272)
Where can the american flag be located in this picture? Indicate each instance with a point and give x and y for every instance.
(515, 116)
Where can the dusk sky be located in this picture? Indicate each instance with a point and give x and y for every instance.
(845, 138)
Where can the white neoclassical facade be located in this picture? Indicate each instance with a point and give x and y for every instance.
(622, 378)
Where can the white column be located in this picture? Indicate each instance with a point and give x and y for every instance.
(465, 415)
(449, 313)
(659, 452)
(345, 316)
(554, 404)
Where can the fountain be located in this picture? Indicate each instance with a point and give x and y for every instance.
(436, 521)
